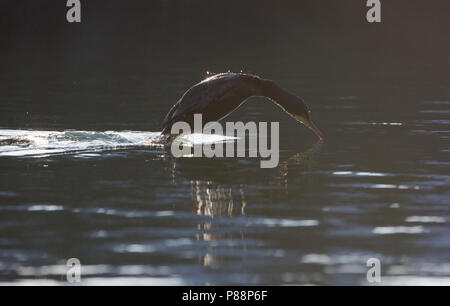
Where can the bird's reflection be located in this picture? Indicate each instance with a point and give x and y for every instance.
(213, 199)
(216, 195)
(300, 161)
(216, 200)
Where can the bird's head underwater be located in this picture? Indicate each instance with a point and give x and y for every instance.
(292, 104)
(300, 111)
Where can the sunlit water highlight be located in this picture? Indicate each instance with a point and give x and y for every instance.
(33, 143)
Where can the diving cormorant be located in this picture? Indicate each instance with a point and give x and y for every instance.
(219, 95)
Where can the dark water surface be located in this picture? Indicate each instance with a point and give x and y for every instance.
(78, 179)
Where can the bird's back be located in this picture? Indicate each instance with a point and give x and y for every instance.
(213, 97)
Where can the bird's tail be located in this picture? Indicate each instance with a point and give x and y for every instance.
(165, 136)
(165, 131)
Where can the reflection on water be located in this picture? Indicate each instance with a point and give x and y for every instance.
(216, 200)
(32, 143)
(80, 176)
(213, 200)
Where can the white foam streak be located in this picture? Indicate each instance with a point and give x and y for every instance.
(32, 143)
(389, 230)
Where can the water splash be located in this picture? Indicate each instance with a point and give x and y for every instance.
(198, 138)
(34, 143)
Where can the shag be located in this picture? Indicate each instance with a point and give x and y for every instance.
(219, 95)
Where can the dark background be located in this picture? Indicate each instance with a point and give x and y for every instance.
(379, 92)
(127, 62)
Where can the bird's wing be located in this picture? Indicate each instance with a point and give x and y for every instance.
(196, 99)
